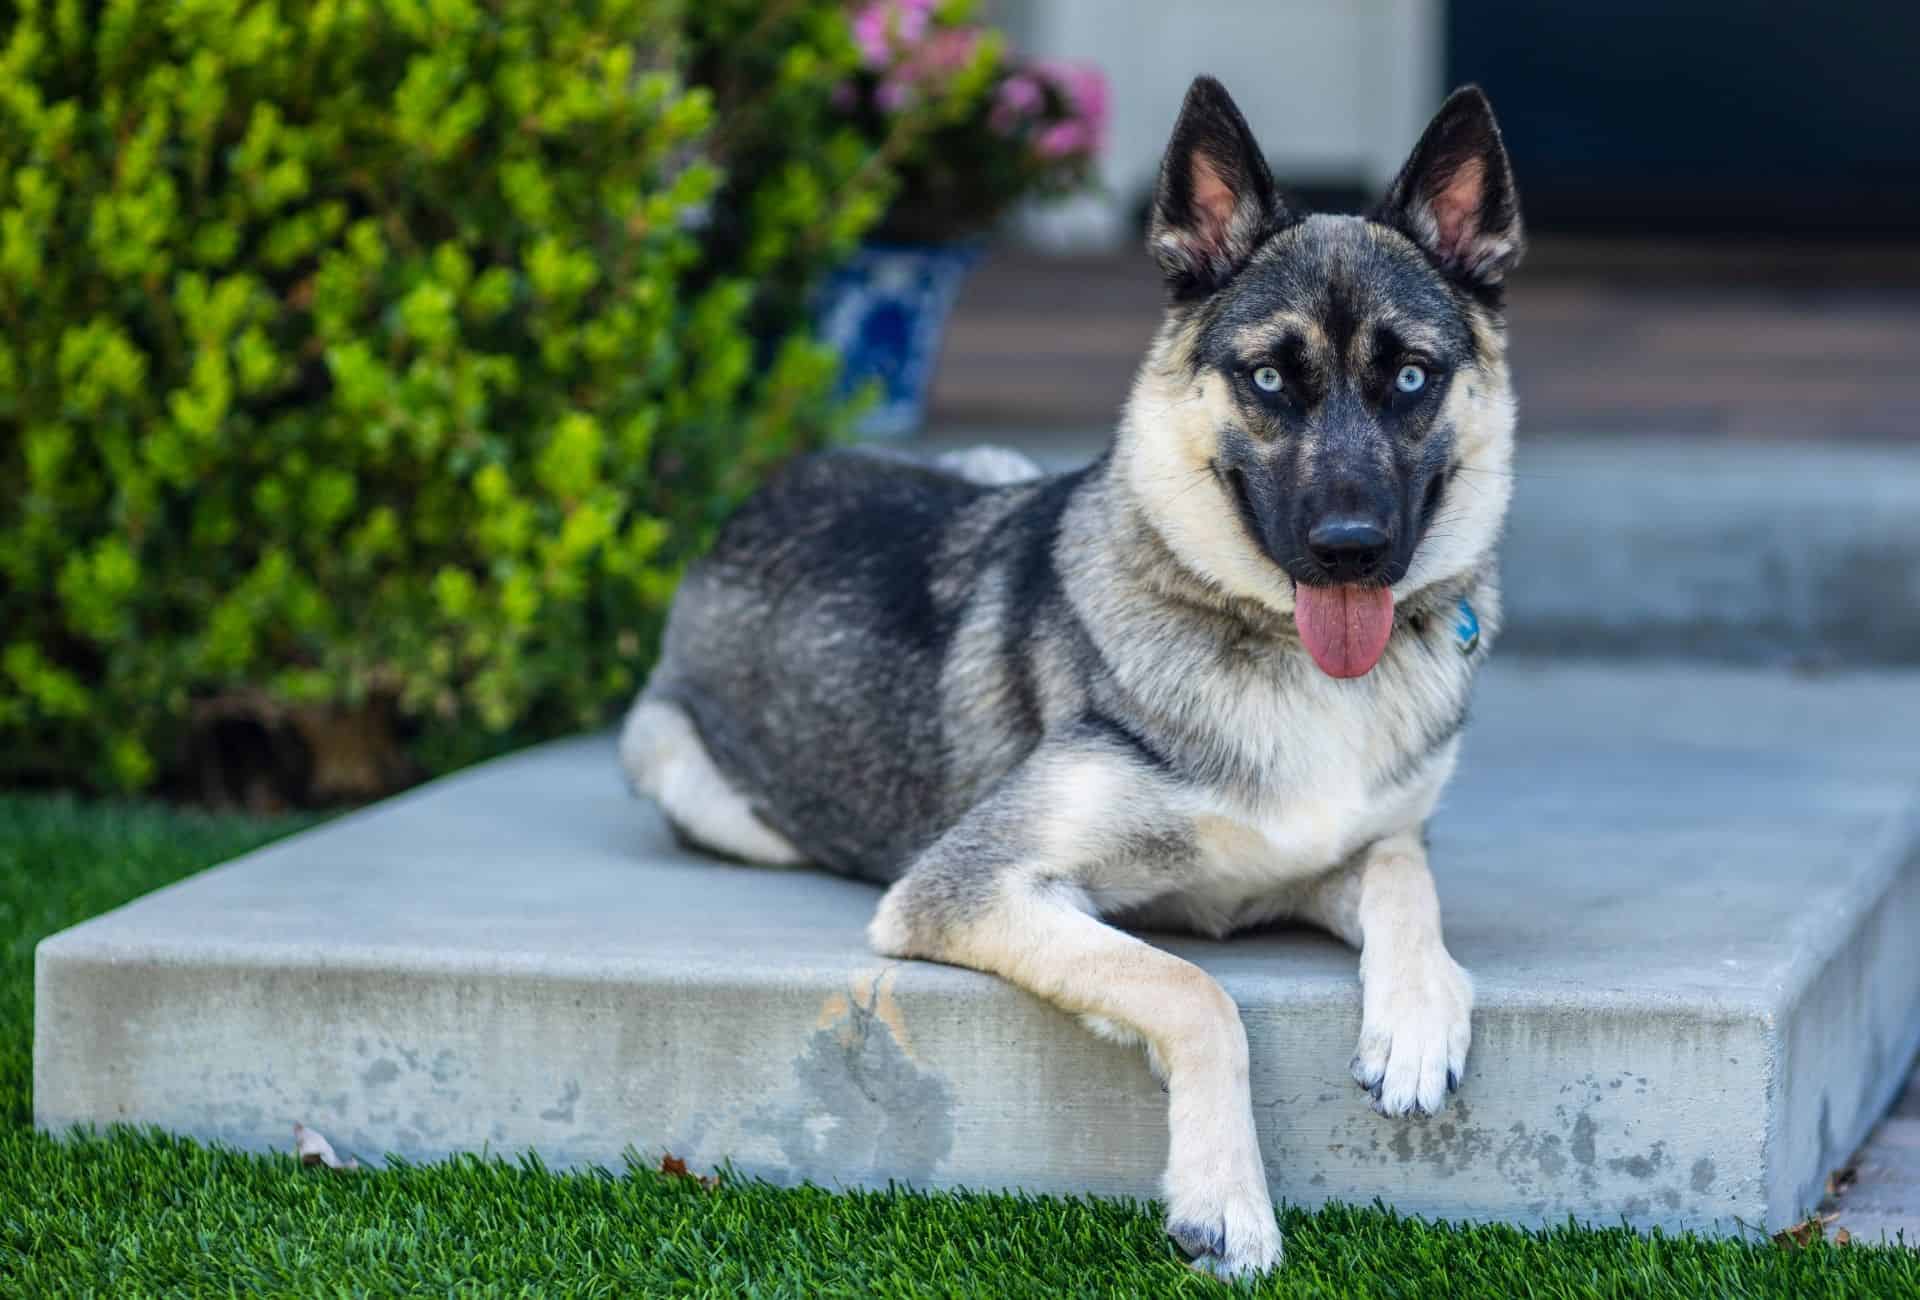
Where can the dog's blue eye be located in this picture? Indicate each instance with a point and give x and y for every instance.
(1411, 379)
(1267, 379)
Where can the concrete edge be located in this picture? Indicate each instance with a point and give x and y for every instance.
(746, 973)
(942, 1049)
(1824, 1119)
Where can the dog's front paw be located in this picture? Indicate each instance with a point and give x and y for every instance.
(1228, 1231)
(1414, 1032)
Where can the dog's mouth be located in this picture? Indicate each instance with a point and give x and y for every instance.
(1345, 628)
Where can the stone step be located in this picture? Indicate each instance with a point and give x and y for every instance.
(1688, 895)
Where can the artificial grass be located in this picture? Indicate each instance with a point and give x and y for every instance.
(139, 1213)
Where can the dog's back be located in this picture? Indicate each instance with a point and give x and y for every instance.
(807, 649)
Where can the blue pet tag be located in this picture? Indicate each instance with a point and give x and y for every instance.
(1467, 628)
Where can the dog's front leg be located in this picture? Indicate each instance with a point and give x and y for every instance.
(1009, 890)
(1416, 1001)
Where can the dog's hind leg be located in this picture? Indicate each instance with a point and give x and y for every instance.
(664, 758)
(1010, 890)
(1416, 1003)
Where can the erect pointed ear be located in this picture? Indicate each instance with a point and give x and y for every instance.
(1215, 199)
(1455, 197)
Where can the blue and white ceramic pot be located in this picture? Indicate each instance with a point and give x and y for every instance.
(885, 311)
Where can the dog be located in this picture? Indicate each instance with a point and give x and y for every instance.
(1214, 679)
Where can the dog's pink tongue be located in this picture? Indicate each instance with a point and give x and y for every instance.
(1345, 629)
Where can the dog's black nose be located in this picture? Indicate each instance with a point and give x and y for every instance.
(1348, 548)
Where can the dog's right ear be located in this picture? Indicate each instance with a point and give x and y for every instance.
(1215, 200)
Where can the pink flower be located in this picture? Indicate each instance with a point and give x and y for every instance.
(894, 94)
(882, 27)
(1017, 100)
(1021, 94)
(947, 52)
(1084, 87)
(1064, 140)
(870, 34)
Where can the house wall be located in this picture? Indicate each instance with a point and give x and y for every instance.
(1337, 90)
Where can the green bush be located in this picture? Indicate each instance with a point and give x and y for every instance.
(392, 358)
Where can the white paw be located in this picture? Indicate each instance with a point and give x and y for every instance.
(1414, 1031)
(1219, 1213)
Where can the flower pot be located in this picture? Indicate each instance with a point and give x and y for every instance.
(885, 311)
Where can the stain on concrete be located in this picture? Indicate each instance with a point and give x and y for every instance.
(1452, 1148)
(1549, 1155)
(562, 1111)
(334, 1105)
(1703, 1172)
(1582, 1145)
(1449, 1142)
(859, 1101)
(1637, 1207)
(381, 1072)
(1524, 1153)
(887, 1009)
(1641, 1167)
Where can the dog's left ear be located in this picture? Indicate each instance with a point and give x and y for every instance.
(1455, 197)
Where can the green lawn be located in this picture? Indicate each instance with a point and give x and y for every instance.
(129, 1213)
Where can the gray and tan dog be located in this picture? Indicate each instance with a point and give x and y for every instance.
(1215, 678)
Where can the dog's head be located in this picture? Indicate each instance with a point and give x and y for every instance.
(1324, 423)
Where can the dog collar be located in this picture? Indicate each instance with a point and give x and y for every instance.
(1467, 627)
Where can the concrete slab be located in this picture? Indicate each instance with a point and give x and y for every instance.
(1689, 898)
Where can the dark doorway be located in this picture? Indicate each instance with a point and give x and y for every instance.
(1770, 118)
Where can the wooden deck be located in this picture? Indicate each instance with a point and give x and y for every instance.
(1753, 342)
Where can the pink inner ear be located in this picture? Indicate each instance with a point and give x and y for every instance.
(1456, 208)
(1212, 201)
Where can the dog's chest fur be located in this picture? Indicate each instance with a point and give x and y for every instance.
(1293, 772)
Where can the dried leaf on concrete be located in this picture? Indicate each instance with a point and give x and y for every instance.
(1809, 1230)
(674, 1167)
